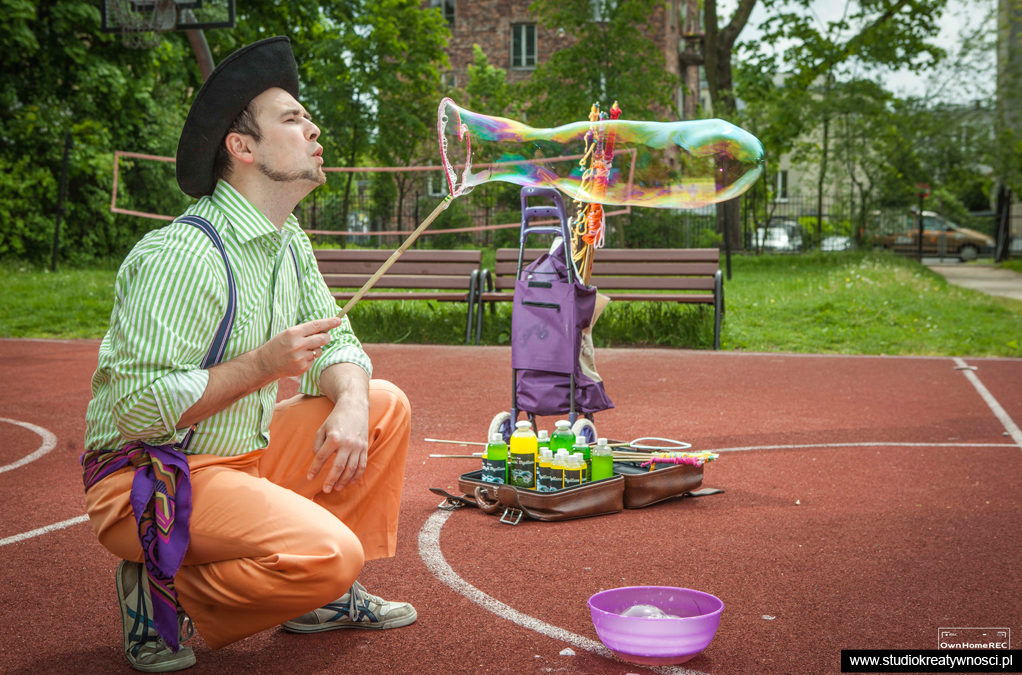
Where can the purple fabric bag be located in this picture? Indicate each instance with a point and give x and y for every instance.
(547, 319)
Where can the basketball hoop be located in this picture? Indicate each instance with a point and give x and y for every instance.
(140, 21)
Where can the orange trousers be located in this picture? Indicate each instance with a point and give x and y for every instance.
(266, 545)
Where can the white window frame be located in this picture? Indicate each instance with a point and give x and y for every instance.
(447, 9)
(519, 35)
(781, 186)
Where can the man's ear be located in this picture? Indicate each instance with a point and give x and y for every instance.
(240, 147)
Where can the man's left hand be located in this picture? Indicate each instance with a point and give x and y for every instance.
(341, 446)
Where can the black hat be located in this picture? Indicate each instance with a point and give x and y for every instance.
(238, 79)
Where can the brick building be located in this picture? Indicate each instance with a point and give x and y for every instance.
(512, 39)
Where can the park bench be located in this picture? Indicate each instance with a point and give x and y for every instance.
(688, 275)
(419, 274)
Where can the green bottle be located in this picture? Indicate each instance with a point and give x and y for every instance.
(495, 460)
(603, 460)
(563, 438)
(543, 439)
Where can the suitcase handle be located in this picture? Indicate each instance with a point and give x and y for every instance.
(483, 500)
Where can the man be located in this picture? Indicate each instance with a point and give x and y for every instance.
(246, 513)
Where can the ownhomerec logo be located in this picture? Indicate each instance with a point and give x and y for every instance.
(973, 638)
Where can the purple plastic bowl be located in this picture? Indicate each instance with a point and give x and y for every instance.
(656, 641)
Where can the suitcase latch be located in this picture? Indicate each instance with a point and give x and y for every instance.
(450, 504)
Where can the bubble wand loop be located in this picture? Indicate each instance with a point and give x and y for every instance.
(444, 203)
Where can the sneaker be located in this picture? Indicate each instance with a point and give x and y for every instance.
(143, 647)
(355, 609)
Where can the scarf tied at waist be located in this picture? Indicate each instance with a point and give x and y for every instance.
(161, 498)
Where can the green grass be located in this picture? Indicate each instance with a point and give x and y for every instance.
(1014, 265)
(849, 303)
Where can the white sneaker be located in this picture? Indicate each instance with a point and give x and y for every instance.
(355, 609)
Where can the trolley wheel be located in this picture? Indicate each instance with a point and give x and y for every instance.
(585, 428)
(501, 424)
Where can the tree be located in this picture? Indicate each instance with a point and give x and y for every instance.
(608, 56)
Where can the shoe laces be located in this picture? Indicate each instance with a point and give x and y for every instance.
(360, 601)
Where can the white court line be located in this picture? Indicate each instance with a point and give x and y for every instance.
(429, 551)
(864, 444)
(49, 443)
(999, 413)
(53, 527)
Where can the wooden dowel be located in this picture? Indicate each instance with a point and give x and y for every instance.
(441, 440)
(395, 255)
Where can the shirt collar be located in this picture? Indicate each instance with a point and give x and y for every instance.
(247, 220)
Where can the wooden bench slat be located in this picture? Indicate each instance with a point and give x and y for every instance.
(411, 255)
(407, 295)
(369, 267)
(398, 281)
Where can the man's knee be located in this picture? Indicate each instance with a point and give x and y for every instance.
(389, 404)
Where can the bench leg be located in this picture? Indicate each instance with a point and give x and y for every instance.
(718, 307)
(473, 295)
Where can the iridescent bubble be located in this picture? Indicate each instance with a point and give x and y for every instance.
(656, 164)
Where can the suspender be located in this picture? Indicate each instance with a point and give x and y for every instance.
(223, 331)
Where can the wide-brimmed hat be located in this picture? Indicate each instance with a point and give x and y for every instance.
(238, 79)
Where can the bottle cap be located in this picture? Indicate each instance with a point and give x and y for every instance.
(580, 440)
(601, 441)
(546, 453)
(562, 424)
(521, 424)
(496, 437)
(562, 453)
(543, 434)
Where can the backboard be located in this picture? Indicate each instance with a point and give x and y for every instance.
(138, 16)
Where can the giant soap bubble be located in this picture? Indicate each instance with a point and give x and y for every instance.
(656, 164)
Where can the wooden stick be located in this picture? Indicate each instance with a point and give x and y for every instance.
(441, 440)
(478, 456)
(444, 203)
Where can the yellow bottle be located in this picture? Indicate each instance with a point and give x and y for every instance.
(574, 471)
(557, 472)
(522, 457)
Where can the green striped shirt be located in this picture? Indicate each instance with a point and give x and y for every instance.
(169, 298)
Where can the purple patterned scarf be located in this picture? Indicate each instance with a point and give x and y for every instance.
(161, 497)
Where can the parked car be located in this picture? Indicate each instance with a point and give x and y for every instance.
(778, 236)
(836, 243)
(940, 237)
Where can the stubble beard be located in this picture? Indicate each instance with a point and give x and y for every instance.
(316, 176)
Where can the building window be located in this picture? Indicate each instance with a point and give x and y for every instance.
(523, 45)
(782, 185)
(447, 7)
(601, 10)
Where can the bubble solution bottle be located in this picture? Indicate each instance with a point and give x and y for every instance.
(582, 448)
(522, 460)
(543, 439)
(563, 437)
(603, 460)
(557, 473)
(545, 471)
(574, 471)
(495, 460)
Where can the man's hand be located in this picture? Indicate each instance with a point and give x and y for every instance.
(342, 443)
(292, 352)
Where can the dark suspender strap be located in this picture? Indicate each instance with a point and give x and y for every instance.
(223, 331)
(294, 259)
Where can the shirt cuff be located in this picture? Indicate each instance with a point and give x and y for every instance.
(178, 391)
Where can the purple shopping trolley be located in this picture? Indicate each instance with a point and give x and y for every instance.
(551, 309)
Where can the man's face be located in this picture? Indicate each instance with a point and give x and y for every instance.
(288, 151)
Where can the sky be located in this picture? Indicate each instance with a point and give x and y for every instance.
(961, 17)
